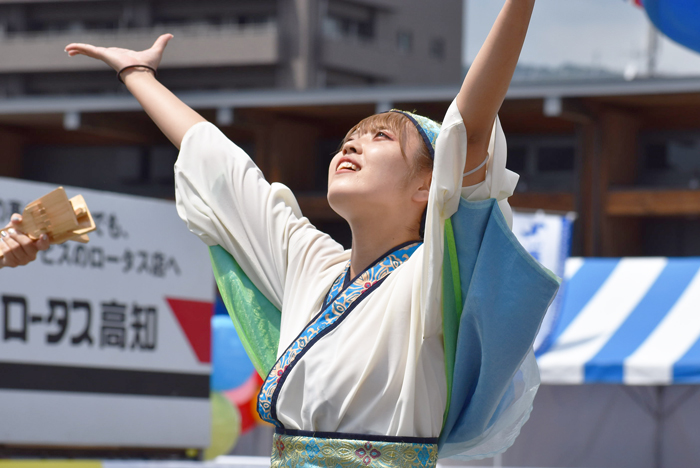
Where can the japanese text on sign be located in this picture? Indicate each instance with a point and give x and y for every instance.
(69, 322)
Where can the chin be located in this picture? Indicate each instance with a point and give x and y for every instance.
(351, 204)
(342, 202)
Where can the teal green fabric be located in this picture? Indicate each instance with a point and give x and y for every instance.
(452, 295)
(257, 321)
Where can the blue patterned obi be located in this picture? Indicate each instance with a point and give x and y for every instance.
(302, 449)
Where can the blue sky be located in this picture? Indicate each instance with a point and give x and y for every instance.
(608, 33)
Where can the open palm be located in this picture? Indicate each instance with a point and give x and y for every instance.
(118, 58)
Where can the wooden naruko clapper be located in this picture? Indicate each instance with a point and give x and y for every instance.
(58, 217)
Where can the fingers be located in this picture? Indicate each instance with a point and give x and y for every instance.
(13, 255)
(24, 247)
(15, 220)
(18, 249)
(43, 243)
(8, 258)
(162, 41)
(84, 49)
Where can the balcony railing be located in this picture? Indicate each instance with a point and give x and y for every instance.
(193, 46)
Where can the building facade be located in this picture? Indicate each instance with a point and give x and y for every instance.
(233, 44)
(622, 154)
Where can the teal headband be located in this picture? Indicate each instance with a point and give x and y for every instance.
(428, 129)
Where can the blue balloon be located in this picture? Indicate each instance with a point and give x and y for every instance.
(678, 19)
(230, 366)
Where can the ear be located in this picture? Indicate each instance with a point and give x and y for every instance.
(420, 195)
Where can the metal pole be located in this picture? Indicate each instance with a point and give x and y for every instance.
(660, 418)
(498, 461)
(652, 50)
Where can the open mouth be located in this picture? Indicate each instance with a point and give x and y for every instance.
(347, 166)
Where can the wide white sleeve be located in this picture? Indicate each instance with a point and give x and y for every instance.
(224, 199)
(445, 193)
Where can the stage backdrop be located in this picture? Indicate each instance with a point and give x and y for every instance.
(107, 344)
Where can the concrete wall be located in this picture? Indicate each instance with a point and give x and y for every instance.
(381, 60)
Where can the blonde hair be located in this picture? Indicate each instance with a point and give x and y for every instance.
(401, 126)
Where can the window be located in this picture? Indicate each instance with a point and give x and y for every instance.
(670, 237)
(404, 42)
(347, 28)
(670, 159)
(346, 20)
(517, 159)
(555, 158)
(437, 48)
(544, 163)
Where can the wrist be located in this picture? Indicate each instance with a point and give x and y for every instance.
(135, 72)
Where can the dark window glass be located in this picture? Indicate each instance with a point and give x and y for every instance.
(670, 237)
(437, 48)
(555, 159)
(365, 29)
(404, 42)
(342, 27)
(517, 159)
(656, 157)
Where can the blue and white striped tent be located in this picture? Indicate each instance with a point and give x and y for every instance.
(633, 321)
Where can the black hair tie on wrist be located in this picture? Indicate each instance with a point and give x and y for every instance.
(119, 73)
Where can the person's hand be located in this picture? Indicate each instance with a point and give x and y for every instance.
(17, 248)
(119, 58)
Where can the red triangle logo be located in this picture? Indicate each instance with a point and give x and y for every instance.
(195, 320)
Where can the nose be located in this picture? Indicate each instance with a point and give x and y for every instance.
(352, 146)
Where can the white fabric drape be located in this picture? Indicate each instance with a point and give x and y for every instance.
(382, 371)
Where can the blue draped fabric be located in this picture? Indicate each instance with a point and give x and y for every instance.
(677, 19)
(505, 294)
(494, 300)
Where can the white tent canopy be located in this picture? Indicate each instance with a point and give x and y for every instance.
(632, 320)
(620, 376)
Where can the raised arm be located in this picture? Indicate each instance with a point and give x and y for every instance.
(171, 115)
(488, 79)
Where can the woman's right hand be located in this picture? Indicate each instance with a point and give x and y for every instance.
(118, 58)
(17, 248)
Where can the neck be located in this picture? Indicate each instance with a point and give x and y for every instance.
(370, 240)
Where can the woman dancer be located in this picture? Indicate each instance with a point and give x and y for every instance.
(389, 350)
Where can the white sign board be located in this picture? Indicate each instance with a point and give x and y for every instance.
(107, 343)
(547, 237)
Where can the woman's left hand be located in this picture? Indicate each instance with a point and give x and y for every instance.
(118, 58)
(17, 248)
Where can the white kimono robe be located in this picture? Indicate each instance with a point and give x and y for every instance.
(382, 371)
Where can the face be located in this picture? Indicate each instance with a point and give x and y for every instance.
(370, 173)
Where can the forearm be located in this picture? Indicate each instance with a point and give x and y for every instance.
(489, 76)
(169, 113)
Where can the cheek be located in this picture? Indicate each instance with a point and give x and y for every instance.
(393, 173)
(333, 164)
